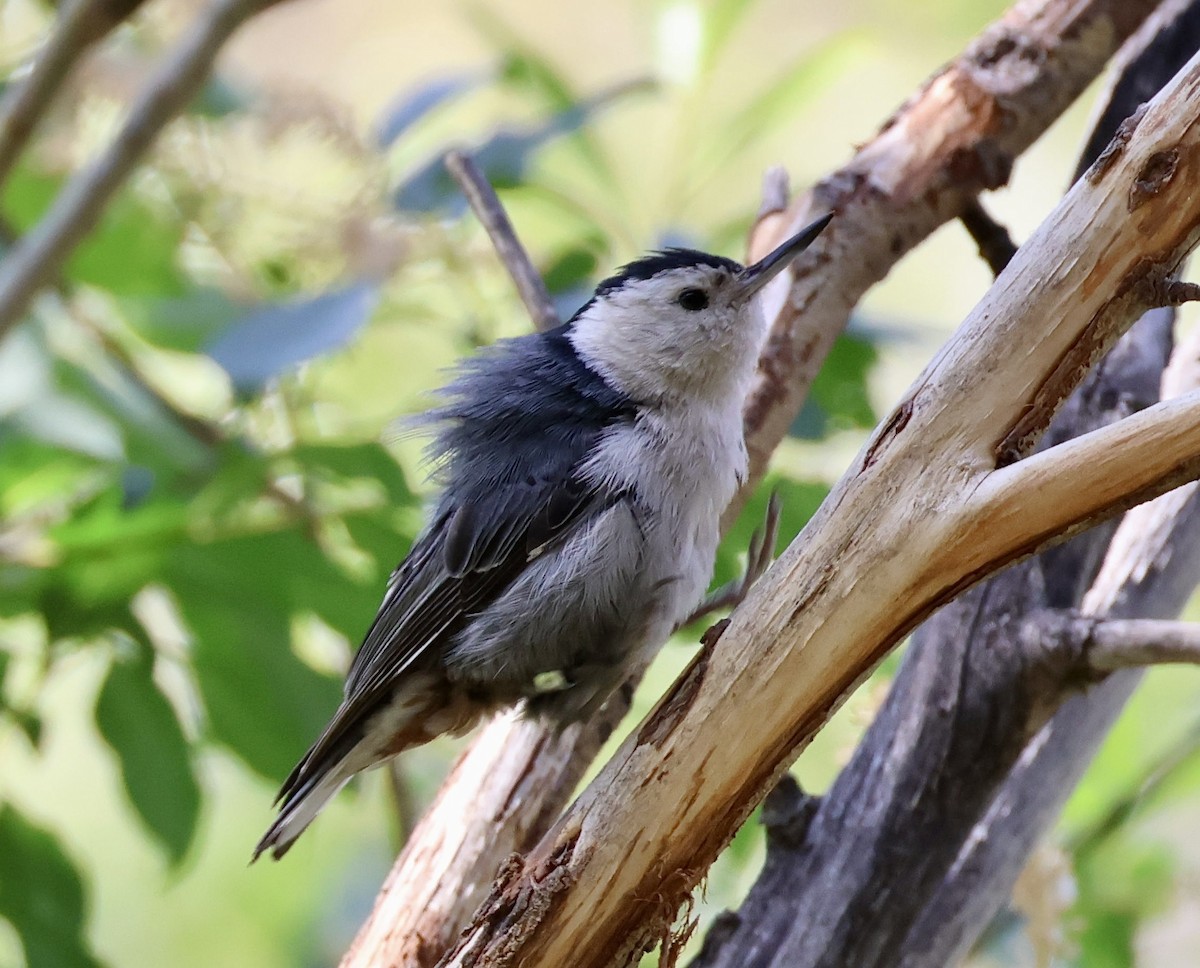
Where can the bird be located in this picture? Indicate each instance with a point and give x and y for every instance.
(582, 474)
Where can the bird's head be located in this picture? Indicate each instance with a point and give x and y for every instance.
(681, 323)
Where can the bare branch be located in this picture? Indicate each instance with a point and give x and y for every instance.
(36, 259)
(81, 24)
(487, 208)
(1125, 463)
(1121, 643)
(934, 155)
(868, 567)
(957, 137)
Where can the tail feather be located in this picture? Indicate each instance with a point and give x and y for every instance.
(299, 810)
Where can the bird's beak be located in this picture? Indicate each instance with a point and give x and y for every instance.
(751, 279)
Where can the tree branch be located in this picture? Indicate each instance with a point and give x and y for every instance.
(809, 630)
(37, 258)
(996, 99)
(487, 208)
(81, 24)
(1122, 643)
(957, 137)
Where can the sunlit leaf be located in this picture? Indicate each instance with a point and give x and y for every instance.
(679, 38)
(721, 20)
(140, 725)
(42, 895)
(274, 339)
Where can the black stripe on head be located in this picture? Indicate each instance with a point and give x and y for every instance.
(664, 261)
(651, 265)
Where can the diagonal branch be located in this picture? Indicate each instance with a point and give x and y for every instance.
(37, 258)
(487, 208)
(900, 534)
(81, 24)
(954, 138)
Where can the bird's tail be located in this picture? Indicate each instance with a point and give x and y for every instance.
(298, 811)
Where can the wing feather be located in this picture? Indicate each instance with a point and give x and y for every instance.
(511, 448)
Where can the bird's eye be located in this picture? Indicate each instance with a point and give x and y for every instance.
(693, 300)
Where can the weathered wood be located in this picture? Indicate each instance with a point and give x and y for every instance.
(949, 141)
(972, 688)
(904, 860)
(924, 512)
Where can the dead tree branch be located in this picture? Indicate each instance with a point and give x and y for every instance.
(918, 843)
(487, 208)
(37, 258)
(924, 512)
(1133, 642)
(996, 99)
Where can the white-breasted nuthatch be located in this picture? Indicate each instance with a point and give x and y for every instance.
(584, 471)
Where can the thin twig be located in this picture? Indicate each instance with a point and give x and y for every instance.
(487, 208)
(995, 244)
(759, 555)
(1124, 643)
(81, 24)
(36, 259)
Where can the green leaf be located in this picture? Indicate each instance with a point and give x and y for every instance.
(131, 252)
(349, 461)
(798, 501)
(238, 597)
(721, 21)
(108, 553)
(42, 895)
(141, 727)
(1107, 940)
(838, 399)
(571, 268)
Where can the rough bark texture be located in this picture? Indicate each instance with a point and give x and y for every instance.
(955, 137)
(918, 841)
(931, 506)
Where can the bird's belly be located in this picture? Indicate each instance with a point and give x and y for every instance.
(581, 605)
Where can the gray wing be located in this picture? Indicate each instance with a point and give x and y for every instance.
(468, 556)
(519, 421)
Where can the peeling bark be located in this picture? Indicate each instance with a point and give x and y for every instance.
(923, 513)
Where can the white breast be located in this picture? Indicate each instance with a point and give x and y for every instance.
(685, 463)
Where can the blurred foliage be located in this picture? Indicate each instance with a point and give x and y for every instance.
(201, 493)
(198, 489)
